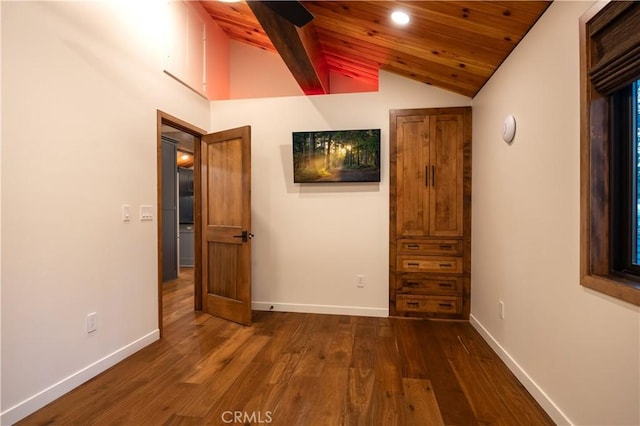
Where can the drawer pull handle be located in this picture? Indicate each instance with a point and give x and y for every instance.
(412, 284)
(446, 247)
(413, 246)
(445, 305)
(445, 265)
(413, 304)
(444, 284)
(413, 264)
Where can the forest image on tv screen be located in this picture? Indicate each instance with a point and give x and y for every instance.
(336, 156)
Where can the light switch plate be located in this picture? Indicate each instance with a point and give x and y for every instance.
(91, 322)
(126, 212)
(146, 213)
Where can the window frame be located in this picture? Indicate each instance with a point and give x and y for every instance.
(604, 68)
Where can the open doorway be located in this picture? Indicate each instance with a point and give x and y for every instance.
(178, 243)
(179, 222)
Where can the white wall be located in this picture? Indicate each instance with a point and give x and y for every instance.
(579, 347)
(217, 57)
(312, 240)
(257, 73)
(81, 83)
(342, 84)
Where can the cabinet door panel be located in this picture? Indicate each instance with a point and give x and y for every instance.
(412, 213)
(445, 207)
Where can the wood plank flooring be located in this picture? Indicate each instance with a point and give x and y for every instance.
(300, 369)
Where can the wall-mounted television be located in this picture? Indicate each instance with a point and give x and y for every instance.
(336, 156)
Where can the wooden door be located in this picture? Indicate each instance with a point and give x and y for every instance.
(446, 137)
(412, 176)
(226, 224)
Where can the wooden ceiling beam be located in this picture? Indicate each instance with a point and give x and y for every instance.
(298, 47)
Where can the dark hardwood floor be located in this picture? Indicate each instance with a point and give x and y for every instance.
(300, 369)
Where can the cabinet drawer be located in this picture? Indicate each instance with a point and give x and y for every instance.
(441, 265)
(431, 247)
(434, 304)
(442, 285)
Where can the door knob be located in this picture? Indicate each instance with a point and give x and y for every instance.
(245, 236)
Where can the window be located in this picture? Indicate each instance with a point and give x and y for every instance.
(610, 150)
(636, 174)
(624, 180)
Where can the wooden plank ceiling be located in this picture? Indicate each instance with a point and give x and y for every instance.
(454, 45)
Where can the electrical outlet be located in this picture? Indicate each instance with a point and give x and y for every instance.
(501, 306)
(91, 322)
(360, 281)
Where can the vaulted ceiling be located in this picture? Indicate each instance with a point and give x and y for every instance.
(454, 45)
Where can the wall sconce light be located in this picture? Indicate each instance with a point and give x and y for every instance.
(509, 129)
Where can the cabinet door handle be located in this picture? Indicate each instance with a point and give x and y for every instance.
(433, 176)
(426, 175)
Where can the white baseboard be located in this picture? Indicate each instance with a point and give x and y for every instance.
(39, 400)
(321, 309)
(536, 391)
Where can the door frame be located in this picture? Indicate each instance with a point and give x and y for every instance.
(170, 120)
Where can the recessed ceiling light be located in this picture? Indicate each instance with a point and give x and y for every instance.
(230, 1)
(400, 17)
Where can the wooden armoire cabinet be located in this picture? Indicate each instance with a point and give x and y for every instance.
(430, 212)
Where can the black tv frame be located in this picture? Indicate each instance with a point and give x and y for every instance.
(336, 156)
